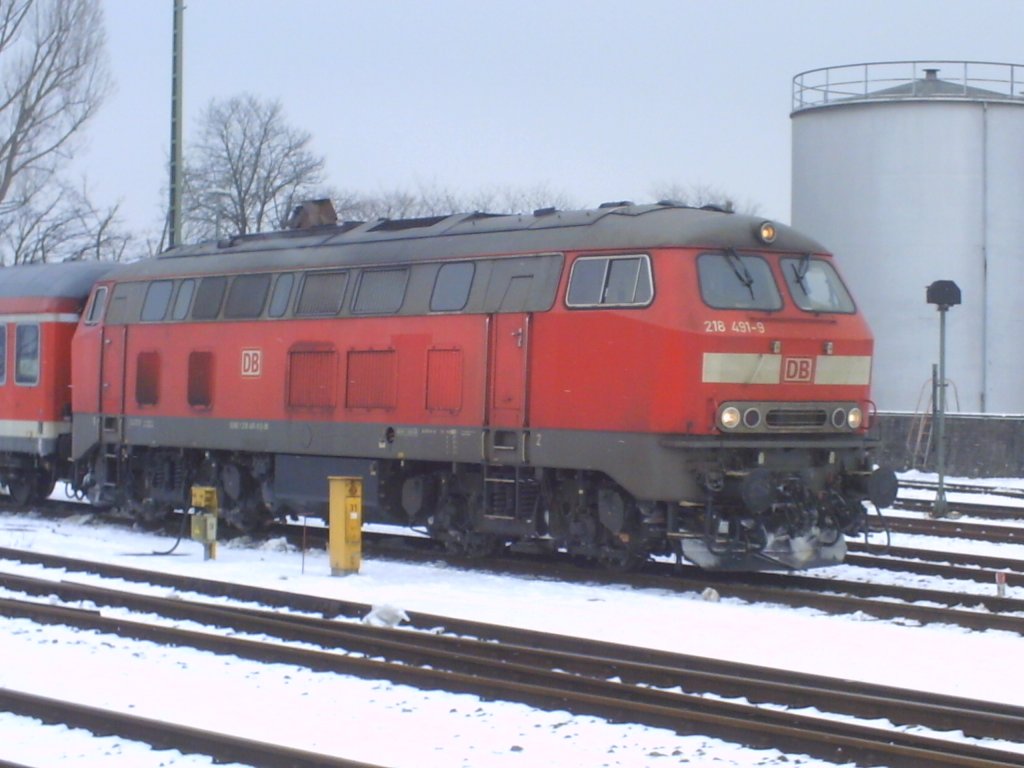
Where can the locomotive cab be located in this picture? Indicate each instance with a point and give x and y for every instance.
(786, 366)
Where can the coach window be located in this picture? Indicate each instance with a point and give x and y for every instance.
(610, 281)
(731, 281)
(99, 302)
(158, 296)
(208, 298)
(183, 300)
(247, 296)
(451, 288)
(3, 355)
(26, 355)
(323, 293)
(381, 291)
(282, 293)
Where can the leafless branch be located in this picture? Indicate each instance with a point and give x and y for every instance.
(249, 169)
(53, 77)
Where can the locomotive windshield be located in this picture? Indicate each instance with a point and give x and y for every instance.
(815, 286)
(731, 281)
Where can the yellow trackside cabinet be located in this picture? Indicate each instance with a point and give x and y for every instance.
(206, 507)
(346, 524)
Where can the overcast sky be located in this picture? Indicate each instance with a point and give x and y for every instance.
(598, 100)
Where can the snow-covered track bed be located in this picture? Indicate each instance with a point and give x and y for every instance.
(986, 502)
(620, 683)
(929, 562)
(166, 735)
(955, 529)
(956, 605)
(992, 488)
(867, 598)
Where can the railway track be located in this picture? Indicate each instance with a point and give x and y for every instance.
(164, 735)
(973, 610)
(943, 564)
(831, 595)
(984, 510)
(553, 671)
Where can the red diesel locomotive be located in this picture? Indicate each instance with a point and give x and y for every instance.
(615, 383)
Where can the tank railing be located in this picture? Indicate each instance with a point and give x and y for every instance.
(851, 82)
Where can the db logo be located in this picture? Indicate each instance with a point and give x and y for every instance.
(798, 369)
(252, 362)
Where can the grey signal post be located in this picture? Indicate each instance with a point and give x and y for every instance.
(944, 294)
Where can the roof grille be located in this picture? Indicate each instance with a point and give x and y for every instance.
(395, 225)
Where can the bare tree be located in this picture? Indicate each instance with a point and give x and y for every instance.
(63, 225)
(248, 169)
(438, 201)
(700, 195)
(53, 77)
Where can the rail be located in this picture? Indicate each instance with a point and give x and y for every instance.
(591, 678)
(901, 80)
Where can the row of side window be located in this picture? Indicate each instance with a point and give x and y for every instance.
(521, 284)
(26, 354)
(320, 294)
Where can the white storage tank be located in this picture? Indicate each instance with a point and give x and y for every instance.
(913, 172)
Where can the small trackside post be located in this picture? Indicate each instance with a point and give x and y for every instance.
(944, 294)
(346, 524)
(204, 519)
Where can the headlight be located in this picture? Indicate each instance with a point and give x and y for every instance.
(751, 418)
(855, 418)
(729, 418)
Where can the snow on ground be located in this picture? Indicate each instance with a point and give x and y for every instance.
(400, 726)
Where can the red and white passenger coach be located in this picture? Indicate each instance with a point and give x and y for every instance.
(39, 311)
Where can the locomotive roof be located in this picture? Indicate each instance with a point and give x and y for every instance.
(70, 280)
(618, 226)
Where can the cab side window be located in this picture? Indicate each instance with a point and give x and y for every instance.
(610, 281)
(3, 354)
(99, 303)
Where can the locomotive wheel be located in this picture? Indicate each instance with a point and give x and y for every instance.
(622, 555)
(475, 546)
(621, 560)
(20, 489)
(249, 518)
(30, 489)
(44, 486)
(150, 515)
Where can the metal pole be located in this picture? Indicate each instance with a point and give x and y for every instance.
(940, 508)
(174, 215)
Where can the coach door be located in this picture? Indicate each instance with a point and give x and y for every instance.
(510, 344)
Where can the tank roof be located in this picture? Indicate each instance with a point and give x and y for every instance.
(908, 81)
